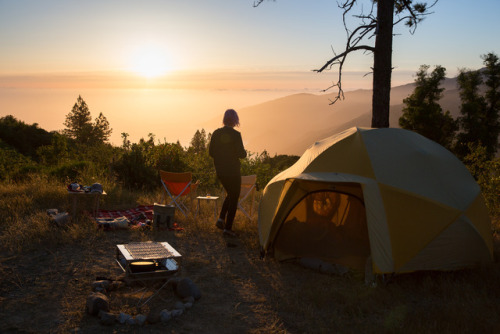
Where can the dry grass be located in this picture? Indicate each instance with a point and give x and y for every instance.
(46, 274)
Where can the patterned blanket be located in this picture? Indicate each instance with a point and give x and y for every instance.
(142, 212)
(139, 217)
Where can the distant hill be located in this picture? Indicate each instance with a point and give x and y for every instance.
(289, 125)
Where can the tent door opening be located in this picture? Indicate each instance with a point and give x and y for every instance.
(327, 225)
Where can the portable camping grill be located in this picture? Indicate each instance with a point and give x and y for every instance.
(147, 260)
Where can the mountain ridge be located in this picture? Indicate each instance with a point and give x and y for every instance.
(290, 124)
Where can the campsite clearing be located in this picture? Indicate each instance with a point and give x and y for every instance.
(44, 290)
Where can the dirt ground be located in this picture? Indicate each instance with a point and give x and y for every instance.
(45, 291)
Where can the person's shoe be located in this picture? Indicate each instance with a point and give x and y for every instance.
(230, 233)
(220, 224)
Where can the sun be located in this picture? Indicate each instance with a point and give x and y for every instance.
(150, 61)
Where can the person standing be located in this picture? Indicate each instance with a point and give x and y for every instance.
(226, 148)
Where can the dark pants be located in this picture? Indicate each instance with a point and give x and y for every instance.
(232, 185)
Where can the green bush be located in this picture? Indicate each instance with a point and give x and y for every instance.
(70, 171)
(11, 161)
(487, 174)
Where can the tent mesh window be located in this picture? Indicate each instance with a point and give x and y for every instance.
(326, 225)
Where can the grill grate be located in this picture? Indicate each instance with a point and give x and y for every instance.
(147, 250)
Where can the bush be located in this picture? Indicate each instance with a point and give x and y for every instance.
(487, 174)
(132, 169)
(71, 171)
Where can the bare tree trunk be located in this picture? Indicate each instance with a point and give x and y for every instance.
(382, 65)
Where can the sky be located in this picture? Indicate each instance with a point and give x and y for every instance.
(69, 36)
(218, 44)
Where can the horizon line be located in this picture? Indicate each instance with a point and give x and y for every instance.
(249, 80)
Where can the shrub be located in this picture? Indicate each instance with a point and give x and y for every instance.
(487, 174)
(69, 171)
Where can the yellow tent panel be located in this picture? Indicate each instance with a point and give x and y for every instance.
(389, 196)
(413, 222)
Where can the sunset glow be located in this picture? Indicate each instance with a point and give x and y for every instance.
(150, 61)
(169, 67)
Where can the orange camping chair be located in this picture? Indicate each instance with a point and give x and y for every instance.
(177, 186)
(248, 186)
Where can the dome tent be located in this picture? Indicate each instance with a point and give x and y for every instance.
(387, 194)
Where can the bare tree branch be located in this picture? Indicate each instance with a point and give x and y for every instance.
(354, 37)
(332, 61)
(257, 3)
(407, 11)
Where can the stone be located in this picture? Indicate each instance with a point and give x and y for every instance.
(131, 321)
(52, 212)
(185, 288)
(61, 218)
(187, 306)
(140, 319)
(107, 318)
(123, 317)
(189, 299)
(176, 313)
(165, 316)
(96, 302)
(104, 284)
(179, 306)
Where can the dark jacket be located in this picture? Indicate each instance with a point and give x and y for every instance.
(226, 148)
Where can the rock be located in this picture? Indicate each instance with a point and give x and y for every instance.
(96, 302)
(52, 212)
(176, 313)
(61, 218)
(140, 319)
(123, 317)
(165, 316)
(187, 306)
(185, 288)
(179, 306)
(107, 318)
(131, 321)
(101, 285)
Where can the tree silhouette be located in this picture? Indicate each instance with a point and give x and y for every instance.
(199, 141)
(479, 114)
(377, 22)
(79, 125)
(422, 112)
(101, 130)
(79, 122)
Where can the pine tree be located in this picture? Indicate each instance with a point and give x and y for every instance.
(492, 97)
(199, 141)
(479, 120)
(101, 130)
(422, 112)
(79, 122)
(79, 125)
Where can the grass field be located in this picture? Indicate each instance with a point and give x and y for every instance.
(46, 274)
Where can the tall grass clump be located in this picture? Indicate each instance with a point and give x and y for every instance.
(24, 222)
